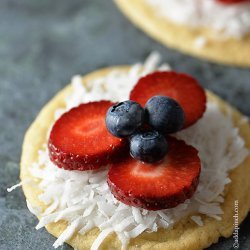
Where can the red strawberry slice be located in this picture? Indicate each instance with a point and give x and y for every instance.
(79, 139)
(157, 186)
(232, 1)
(181, 87)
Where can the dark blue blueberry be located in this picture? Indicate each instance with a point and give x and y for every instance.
(124, 118)
(148, 146)
(164, 114)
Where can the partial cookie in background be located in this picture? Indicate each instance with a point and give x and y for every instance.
(198, 42)
(185, 235)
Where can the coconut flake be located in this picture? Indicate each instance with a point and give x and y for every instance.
(14, 187)
(67, 234)
(136, 231)
(197, 220)
(124, 240)
(33, 210)
(98, 241)
(137, 215)
(89, 225)
(124, 224)
(200, 42)
(52, 207)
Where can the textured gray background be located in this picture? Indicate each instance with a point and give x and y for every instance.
(44, 43)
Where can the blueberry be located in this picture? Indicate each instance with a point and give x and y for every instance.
(150, 146)
(164, 114)
(124, 118)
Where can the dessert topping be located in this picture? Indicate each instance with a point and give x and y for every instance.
(157, 186)
(124, 118)
(181, 87)
(79, 139)
(149, 146)
(164, 114)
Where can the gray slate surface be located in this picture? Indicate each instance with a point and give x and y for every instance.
(44, 43)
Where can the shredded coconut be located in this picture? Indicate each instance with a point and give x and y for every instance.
(34, 210)
(14, 187)
(84, 200)
(200, 42)
(233, 21)
(197, 220)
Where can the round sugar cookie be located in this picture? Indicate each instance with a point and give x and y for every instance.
(184, 38)
(185, 235)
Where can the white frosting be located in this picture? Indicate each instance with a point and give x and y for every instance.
(228, 20)
(84, 198)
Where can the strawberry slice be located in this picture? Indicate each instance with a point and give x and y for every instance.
(79, 139)
(232, 1)
(157, 186)
(181, 87)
